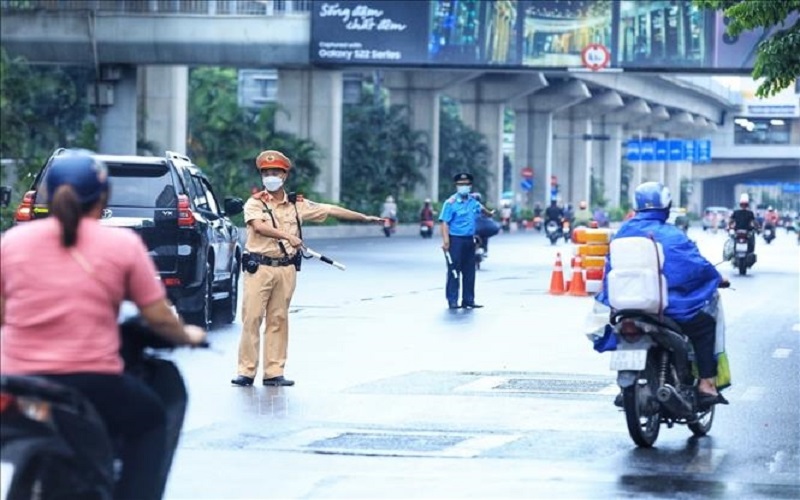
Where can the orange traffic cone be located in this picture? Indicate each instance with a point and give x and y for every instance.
(577, 286)
(557, 278)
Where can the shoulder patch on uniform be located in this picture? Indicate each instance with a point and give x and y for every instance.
(311, 204)
(452, 199)
(300, 198)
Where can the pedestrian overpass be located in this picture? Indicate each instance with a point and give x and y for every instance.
(570, 122)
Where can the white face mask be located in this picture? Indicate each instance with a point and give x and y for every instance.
(463, 190)
(272, 182)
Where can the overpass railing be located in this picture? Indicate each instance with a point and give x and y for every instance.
(163, 7)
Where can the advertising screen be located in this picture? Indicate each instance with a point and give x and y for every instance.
(645, 35)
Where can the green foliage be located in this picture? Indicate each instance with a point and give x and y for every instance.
(461, 149)
(41, 108)
(225, 139)
(381, 155)
(778, 60)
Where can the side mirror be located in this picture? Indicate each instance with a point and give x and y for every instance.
(5, 196)
(233, 206)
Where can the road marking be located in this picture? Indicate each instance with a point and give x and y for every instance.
(706, 461)
(483, 384)
(781, 353)
(754, 393)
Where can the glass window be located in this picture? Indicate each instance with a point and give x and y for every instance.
(141, 186)
(761, 130)
(210, 198)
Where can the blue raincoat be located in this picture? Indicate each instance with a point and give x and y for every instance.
(691, 279)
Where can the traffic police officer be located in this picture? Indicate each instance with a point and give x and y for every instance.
(459, 213)
(272, 258)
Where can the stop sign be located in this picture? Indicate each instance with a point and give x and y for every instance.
(527, 173)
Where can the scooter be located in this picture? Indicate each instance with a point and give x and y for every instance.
(537, 223)
(768, 233)
(480, 252)
(53, 442)
(653, 360)
(389, 226)
(740, 257)
(566, 230)
(426, 228)
(553, 231)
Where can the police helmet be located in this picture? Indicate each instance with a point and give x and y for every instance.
(80, 169)
(652, 196)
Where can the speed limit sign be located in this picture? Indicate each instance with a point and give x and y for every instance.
(595, 56)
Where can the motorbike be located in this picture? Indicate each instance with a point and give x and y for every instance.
(553, 231)
(505, 219)
(55, 445)
(654, 364)
(566, 230)
(426, 228)
(389, 226)
(768, 233)
(537, 223)
(736, 251)
(480, 252)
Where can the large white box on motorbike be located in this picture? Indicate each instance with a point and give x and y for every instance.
(636, 252)
(642, 289)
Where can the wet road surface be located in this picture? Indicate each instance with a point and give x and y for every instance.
(398, 397)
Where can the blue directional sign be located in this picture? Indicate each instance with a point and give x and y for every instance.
(688, 150)
(676, 150)
(703, 151)
(791, 187)
(633, 150)
(662, 150)
(526, 184)
(648, 150)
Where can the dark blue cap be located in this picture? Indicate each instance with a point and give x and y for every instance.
(81, 169)
(462, 177)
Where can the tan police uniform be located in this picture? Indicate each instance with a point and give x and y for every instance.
(268, 291)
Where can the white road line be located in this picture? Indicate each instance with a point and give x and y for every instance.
(754, 393)
(483, 384)
(781, 353)
(706, 461)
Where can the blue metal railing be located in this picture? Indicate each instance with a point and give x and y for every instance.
(163, 7)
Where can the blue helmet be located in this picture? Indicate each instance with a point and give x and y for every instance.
(81, 169)
(652, 196)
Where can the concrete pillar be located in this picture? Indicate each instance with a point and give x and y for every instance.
(313, 101)
(117, 123)
(562, 158)
(612, 164)
(580, 177)
(696, 197)
(163, 97)
(533, 147)
(674, 172)
(424, 104)
(487, 119)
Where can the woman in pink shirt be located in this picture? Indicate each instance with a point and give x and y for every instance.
(62, 280)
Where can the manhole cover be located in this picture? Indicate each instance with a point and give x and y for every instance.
(403, 442)
(568, 386)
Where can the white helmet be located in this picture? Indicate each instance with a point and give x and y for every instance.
(744, 199)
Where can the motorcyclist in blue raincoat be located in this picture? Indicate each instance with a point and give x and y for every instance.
(691, 279)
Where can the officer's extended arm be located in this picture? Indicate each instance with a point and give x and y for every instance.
(266, 229)
(344, 213)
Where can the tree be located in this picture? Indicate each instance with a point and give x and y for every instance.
(225, 139)
(778, 60)
(460, 149)
(381, 155)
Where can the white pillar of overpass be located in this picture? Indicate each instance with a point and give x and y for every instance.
(612, 164)
(487, 119)
(313, 101)
(533, 147)
(117, 123)
(580, 175)
(562, 157)
(164, 95)
(424, 104)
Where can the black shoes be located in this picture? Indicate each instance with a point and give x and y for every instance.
(279, 380)
(705, 400)
(618, 400)
(242, 381)
(471, 305)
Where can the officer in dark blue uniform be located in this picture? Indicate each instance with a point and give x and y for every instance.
(458, 231)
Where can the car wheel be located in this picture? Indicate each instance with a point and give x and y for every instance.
(227, 307)
(203, 316)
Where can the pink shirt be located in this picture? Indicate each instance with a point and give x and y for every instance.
(61, 306)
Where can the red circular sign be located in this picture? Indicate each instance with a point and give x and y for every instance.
(595, 56)
(527, 173)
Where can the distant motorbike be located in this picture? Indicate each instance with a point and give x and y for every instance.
(537, 223)
(736, 251)
(55, 445)
(553, 231)
(768, 233)
(389, 226)
(653, 360)
(480, 252)
(566, 230)
(505, 219)
(426, 228)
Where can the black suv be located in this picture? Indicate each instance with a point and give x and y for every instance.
(170, 203)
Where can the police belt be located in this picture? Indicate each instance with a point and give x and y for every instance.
(275, 262)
